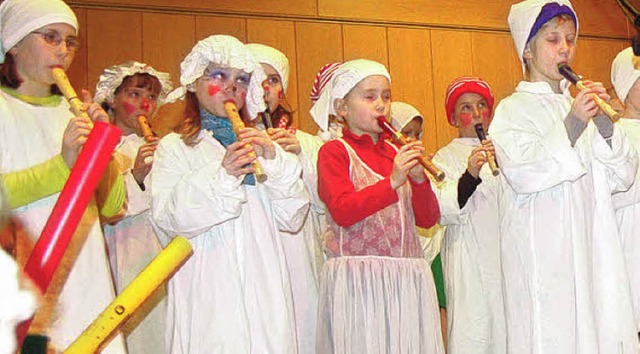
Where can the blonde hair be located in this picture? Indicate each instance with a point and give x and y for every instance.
(556, 21)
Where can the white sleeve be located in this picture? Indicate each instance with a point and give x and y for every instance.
(447, 191)
(285, 190)
(190, 194)
(627, 198)
(619, 160)
(138, 201)
(310, 145)
(533, 150)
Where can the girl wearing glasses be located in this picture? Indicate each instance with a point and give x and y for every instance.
(39, 142)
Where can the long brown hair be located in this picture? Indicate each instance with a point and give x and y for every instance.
(9, 75)
(191, 123)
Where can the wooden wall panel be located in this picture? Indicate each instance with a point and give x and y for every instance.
(210, 25)
(316, 45)
(112, 37)
(601, 17)
(280, 35)
(487, 14)
(412, 78)
(367, 42)
(166, 40)
(452, 57)
(495, 60)
(78, 70)
(597, 17)
(594, 57)
(279, 7)
(162, 31)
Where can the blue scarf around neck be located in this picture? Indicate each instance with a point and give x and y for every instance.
(222, 131)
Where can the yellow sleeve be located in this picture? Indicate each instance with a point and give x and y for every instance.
(36, 182)
(430, 231)
(111, 193)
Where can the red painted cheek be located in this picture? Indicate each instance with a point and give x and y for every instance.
(213, 89)
(280, 95)
(129, 108)
(465, 119)
(266, 88)
(486, 117)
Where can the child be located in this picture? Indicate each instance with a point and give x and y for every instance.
(233, 295)
(127, 91)
(408, 120)
(625, 72)
(302, 249)
(331, 126)
(561, 159)
(39, 142)
(377, 293)
(469, 207)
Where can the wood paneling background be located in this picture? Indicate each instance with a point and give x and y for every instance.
(424, 43)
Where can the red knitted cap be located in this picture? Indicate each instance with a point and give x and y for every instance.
(322, 78)
(466, 84)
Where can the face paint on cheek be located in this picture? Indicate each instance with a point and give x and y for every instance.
(213, 89)
(129, 108)
(266, 88)
(486, 117)
(280, 95)
(465, 119)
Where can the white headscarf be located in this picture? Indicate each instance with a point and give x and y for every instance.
(345, 78)
(113, 76)
(271, 56)
(625, 71)
(18, 18)
(403, 113)
(226, 51)
(522, 17)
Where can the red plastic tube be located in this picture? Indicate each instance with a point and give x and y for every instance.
(71, 205)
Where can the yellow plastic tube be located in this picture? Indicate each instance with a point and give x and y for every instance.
(157, 272)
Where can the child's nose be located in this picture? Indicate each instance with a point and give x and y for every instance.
(231, 87)
(564, 46)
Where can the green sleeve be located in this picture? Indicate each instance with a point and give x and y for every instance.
(112, 193)
(28, 185)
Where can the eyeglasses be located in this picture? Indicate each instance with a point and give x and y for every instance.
(54, 39)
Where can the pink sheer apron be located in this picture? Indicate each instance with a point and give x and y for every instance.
(377, 292)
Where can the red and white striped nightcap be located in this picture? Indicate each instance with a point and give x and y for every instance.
(322, 78)
(466, 84)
